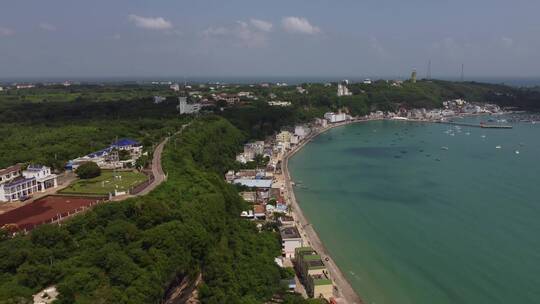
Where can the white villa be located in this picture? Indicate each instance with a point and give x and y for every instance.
(16, 184)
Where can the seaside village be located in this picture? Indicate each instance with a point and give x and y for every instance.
(265, 187)
(21, 183)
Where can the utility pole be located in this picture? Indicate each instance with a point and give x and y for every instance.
(462, 72)
(428, 76)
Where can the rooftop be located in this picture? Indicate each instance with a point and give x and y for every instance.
(19, 180)
(258, 209)
(13, 168)
(321, 279)
(125, 142)
(289, 233)
(254, 183)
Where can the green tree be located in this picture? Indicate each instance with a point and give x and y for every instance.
(88, 170)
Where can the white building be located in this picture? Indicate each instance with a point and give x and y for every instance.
(186, 108)
(284, 137)
(108, 158)
(175, 87)
(290, 240)
(301, 90)
(279, 103)
(342, 90)
(301, 131)
(367, 81)
(335, 117)
(159, 99)
(16, 184)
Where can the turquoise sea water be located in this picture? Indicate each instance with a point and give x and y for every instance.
(410, 222)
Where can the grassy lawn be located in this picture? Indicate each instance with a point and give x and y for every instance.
(107, 182)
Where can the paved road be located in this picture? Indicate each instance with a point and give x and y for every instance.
(157, 169)
(346, 292)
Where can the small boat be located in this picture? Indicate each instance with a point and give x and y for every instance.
(497, 147)
(444, 148)
(468, 133)
(517, 151)
(483, 136)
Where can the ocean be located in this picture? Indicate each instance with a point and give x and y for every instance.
(427, 213)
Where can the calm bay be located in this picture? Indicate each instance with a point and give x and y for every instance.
(427, 213)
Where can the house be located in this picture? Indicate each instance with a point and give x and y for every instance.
(254, 183)
(279, 103)
(259, 211)
(332, 117)
(229, 98)
(290, 240)
(16, 184)
(175, 87)
(301, 131)
(286, 220)
(320, 286)
(188, 108)
(283, 137)
(249, 196)
(109, 158)
(25, 86)
(342, 90)
(313, 273)
(45, 179)
(159, 99)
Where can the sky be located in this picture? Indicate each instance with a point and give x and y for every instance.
(242, 38)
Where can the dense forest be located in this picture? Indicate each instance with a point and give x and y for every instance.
(131, 252)
(51, 133)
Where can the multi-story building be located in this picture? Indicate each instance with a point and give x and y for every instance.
(283, 136)
(44, 177)
(188, 108)
(16, 184)
(290, 240)
(313, 273)
(335, 117)
(342, 90)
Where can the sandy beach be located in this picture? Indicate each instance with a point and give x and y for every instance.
(345, 293)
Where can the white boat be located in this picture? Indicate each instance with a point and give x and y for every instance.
(483, 136)
(444, 148)
(497, 147)
(517, 151)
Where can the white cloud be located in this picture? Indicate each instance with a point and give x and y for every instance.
(241, 33)
(151, 23)
(299, 25)
(261, 25)
(47, 27)
(4, 32)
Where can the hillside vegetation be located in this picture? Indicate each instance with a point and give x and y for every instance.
(132, 252)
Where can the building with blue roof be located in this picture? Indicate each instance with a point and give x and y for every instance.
(108, 158)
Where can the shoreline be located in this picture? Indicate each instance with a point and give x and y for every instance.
(345, 290)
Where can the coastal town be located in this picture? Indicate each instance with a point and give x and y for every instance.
(269, 189)
(262, 178)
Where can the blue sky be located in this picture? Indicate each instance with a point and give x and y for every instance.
(61, 38)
